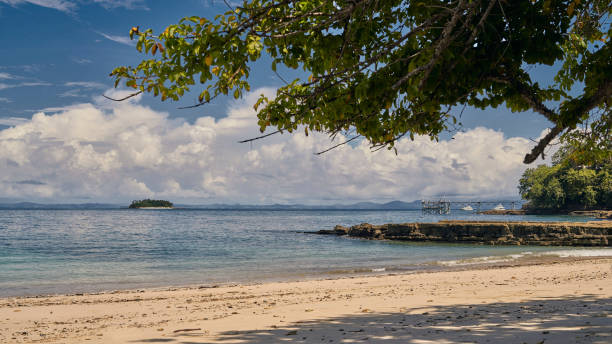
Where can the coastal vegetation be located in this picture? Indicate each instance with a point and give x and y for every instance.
(383, 70)
(151, 203)
(570, 184)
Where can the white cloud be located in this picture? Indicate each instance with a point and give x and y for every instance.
(60, 5)
(129, 4)
(56, 108)
(85, 84)
(122, 151)
(72, 94)
(12, 121)
(82, 60)
(118, 39)
(6, 76)
(24, 84)
(70, 6)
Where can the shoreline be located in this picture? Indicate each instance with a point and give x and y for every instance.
(358, 305)
(561, 254)
(426, 268)
(601, 214)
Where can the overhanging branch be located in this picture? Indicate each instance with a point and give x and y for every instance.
(338, 145)
(260, 137)
(122, 99)
(539, 148)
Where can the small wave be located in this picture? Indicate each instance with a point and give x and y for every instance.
(483, 260)
(379, 269)
(604, 252)
(512, 257)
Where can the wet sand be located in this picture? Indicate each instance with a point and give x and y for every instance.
(568, 301)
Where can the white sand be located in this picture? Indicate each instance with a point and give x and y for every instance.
(568, 302)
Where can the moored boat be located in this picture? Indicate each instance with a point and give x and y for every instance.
(499, 207)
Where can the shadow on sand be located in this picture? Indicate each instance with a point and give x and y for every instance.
(582, 319)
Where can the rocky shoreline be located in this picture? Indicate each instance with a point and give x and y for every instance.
(594, 233)
(598, 214)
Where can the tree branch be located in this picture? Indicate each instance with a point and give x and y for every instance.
(259, 137)
(539, 148)
(122, 99)
(604, 92)
(338, 145)
(198, 104)
(443, 43)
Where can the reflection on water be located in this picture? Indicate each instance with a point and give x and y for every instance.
(62, 251)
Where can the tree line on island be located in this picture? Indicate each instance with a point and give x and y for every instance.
(151, 203)
(580, 177)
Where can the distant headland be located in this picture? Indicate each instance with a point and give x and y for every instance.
(151, 204)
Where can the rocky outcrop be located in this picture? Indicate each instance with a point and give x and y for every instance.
(503, 212)
(595, 233)
(600, 214)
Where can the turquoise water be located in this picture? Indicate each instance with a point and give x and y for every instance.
(69, 251)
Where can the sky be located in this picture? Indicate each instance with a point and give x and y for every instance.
(62, 142)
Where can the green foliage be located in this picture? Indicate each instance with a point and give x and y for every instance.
(605, 188)
(388, 68)
(542, 188)
(565, 186)
(591, 145)
(151, 203)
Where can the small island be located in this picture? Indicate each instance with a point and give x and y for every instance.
(151, 204)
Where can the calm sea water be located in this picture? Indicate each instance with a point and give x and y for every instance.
(68, 251)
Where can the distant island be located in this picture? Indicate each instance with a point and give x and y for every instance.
(151, 203)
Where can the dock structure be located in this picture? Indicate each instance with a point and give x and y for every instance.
(439, 207)
(442, 207)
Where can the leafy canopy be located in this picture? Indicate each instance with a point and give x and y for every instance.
(563, 187)
(383, 69)
(580, 177)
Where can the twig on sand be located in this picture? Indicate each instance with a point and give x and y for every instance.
(187, 330)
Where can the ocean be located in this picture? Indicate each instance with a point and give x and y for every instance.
(76, 251)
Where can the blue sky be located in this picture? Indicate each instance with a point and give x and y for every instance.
(63, 53)
(55, 57)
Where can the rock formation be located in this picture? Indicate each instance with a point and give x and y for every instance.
(595, 233)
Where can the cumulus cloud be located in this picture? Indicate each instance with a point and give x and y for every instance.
(122, 151)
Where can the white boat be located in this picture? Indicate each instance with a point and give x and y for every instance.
(499, 207)
(467, 208)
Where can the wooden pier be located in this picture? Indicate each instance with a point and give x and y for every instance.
(439, 207)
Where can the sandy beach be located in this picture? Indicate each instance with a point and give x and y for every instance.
(568, 301)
